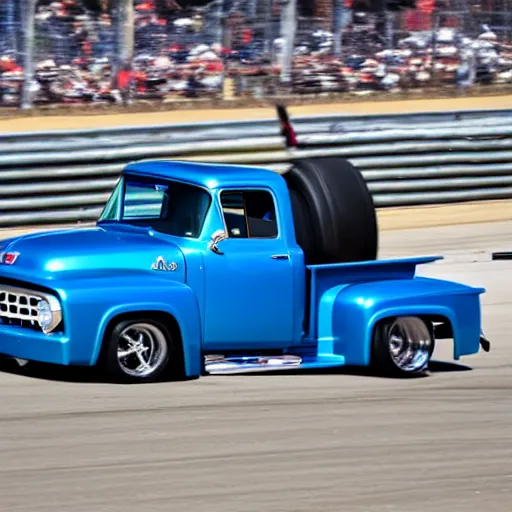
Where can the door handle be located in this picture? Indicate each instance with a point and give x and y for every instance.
(280, 257)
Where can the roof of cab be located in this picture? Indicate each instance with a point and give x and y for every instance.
(204, 174)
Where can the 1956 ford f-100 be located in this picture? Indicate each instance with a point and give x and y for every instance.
(205, 268)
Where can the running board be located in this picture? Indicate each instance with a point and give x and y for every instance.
(220, 365)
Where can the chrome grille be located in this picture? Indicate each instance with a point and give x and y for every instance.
(19, 306)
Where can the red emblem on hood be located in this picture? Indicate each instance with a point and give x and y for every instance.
(8, 258)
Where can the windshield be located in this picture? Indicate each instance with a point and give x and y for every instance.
(166, 206)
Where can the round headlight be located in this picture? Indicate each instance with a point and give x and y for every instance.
(44, 314)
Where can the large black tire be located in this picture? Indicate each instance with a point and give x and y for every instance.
(334, 215)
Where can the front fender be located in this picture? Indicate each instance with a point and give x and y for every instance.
(88, 310)
(359, 307)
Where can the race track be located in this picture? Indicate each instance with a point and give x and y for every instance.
(324, 442)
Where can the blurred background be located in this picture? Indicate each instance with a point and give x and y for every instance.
(124, 51)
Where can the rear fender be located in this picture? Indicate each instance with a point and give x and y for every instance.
(358, 308)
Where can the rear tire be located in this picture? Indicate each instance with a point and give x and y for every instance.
(402, 346)
(334, 215)
(138, 350)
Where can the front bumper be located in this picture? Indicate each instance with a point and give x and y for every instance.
(32, 345)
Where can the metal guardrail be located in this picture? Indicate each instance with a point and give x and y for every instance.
(427, 158)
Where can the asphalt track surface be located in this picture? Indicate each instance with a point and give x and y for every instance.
(316, 442)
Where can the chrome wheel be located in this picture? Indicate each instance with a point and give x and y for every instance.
(410, 344)
(141, 350)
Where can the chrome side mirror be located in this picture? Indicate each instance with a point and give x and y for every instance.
(217, 237)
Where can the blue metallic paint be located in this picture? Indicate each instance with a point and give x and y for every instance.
(91, 300)
(242, 300)
(105, 298)
(246, 272)
(248, 315)
(210, 176)
(27, 344)
(324, 277)
(108, 249)
(358, 308)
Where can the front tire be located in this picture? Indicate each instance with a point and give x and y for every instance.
(402, 346)
(138, 350)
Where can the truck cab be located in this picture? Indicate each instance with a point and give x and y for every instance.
(197, 268)
(234, 227)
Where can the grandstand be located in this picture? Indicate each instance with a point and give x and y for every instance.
(194, 48)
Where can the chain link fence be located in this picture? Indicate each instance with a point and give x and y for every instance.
(119, 51)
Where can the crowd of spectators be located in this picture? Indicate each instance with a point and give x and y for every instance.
(417, 60)
(186, 54)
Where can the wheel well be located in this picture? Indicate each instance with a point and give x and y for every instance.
(441, 326)
(160, 316)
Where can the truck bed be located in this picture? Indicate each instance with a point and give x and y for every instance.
(340, 275)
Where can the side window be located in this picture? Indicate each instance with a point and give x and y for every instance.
(249, 214)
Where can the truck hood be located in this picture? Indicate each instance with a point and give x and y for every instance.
(89, 250)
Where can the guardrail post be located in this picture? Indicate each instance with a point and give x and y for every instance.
(29, 13)
(125, 40)
(288, 29)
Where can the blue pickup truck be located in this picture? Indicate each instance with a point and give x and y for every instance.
(198, 268)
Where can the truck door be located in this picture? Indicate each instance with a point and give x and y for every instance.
(249, 284)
